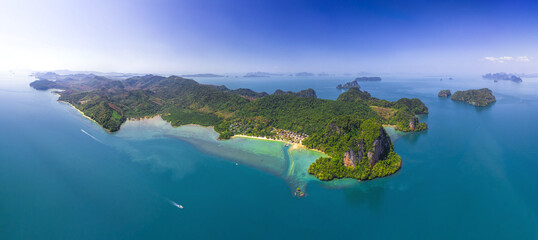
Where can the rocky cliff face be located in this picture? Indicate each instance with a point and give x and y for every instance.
(380, 149)
(413, 121)
(351, 158)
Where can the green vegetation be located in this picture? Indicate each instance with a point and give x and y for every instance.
(327, 169)
(401, 113)
(477, 97)
(178, 117)
(368, 148)
(444, 93)
(349, 130)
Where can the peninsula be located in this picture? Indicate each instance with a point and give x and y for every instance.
(349, 130)
(477, 97)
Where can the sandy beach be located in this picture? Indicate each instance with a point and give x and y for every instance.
(293, 146)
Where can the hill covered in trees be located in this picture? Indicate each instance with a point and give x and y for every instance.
(348, 129)
(477, 97)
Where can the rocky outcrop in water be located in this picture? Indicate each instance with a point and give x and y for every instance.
(355, 83)
(476, 97)
(352, 84)
(444, 93)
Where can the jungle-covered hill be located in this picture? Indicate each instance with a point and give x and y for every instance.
(292, 116)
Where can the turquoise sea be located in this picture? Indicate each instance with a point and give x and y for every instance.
(472, 175)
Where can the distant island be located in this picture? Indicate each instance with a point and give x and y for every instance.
(262, 74)
(252, 75)
(355, 83)
(477, 97)
(304, 74)
(349, 130)
(348, 85)
(502, 77)
(202, 75)
(368, 79)
(444, 93)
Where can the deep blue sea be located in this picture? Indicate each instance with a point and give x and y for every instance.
(472, 175)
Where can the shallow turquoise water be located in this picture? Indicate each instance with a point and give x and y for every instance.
(471, 175)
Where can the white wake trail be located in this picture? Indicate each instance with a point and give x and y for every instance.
(94, 138)
(175, 204)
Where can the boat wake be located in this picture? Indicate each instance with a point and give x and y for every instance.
(94, 138)
(175, 204)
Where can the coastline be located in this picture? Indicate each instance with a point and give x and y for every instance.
(293, 146)
(81, 113)
(84, 115)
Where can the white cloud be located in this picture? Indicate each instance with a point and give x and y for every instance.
(523, 59)
(507, 59)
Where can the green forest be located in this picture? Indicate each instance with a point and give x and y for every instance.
(351, 124)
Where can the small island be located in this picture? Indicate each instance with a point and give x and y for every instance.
(206, 75)
(349, 130)
(476, 97)
(305, 74)
(355, 83)
(348, 85)
(444, 93)
(502, 77)
(368, 79)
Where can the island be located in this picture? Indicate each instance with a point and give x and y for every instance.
(355, 83)
(368, 79)
(304, 74)
(349, 85)
(263, 74)
(349, 130)
(502, 77)
(202, 75)
(477, 97)
(254, 75)
(444, 93)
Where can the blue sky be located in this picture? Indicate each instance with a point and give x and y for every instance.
(426, 37)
